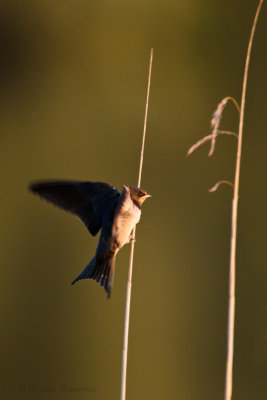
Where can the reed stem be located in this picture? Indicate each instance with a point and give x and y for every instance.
(232, 273)
(129, 282)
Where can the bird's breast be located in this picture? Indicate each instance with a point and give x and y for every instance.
(124, 223)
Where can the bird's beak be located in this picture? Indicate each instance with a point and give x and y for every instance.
(147, 195)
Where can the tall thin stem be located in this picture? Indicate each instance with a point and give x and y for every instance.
(129, 282)
(231, 306)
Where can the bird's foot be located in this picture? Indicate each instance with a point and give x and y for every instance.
(132, 238)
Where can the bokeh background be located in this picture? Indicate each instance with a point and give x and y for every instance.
(73, 78)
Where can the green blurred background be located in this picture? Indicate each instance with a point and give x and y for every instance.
(73, 78)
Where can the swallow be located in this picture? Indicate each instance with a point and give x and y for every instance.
(99, 206)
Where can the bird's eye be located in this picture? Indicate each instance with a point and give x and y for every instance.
(140, 194)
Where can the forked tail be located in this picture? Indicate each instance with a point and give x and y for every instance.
(102, 271)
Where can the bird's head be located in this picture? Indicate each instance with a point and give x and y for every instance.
(138, 195)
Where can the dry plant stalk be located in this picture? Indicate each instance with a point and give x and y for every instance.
(129, 282)
(215, 125)
(219, 183)
(231, 309)
(215, 122)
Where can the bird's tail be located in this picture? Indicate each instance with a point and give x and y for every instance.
(102, 271)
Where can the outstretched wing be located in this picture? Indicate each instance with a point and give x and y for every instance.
(90, 201)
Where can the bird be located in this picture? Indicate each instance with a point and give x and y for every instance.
(99, 206)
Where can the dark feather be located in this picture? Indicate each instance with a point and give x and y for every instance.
(90, 201)
(102, 271)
